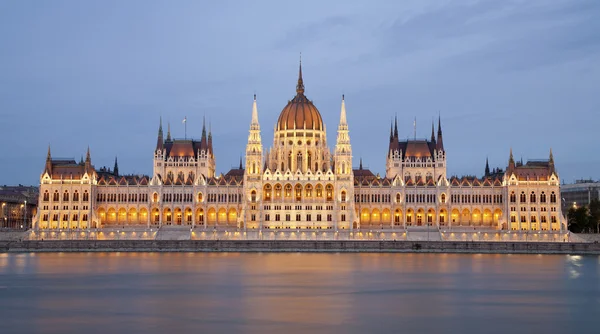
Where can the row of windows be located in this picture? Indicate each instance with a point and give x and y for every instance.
(65, 217)
(372, 198)
(423, 198)
(288, 217)
(533, 209)
(123, 198)
(65, 196)
(532, 197)
(533, 219)
(177, 198)
(299, 207)
(224, 198)
(476, 198)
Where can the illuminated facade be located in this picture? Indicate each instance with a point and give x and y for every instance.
(299, 183)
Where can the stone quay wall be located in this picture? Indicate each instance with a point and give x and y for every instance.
(299, 246)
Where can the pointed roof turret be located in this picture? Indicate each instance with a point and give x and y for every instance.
(254, 123)
(396, 127)
(88, 160)
(300, 85)
(240, 162)
(116, 168)
(48, 167)
(391, 131)
(159, 140)
(168, 131)
(210, 145)
(511, 161)
(343, 121)
(487, 167)
(360, 165)
(551, 156)
(440, 142)
(432, 132)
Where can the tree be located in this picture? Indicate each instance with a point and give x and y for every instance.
(579, 220)
(594, 215)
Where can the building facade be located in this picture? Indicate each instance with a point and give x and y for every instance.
(580, 193)
(300, 183)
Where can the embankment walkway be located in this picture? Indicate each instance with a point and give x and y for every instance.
(299, 246)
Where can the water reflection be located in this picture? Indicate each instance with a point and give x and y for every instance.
(303, 292)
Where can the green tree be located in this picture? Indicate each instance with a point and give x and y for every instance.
(579, 219)
(594, 214)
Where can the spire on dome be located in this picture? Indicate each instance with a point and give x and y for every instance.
(300, 85)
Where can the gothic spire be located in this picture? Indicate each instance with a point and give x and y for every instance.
(48, 156)
(396, 127)
(87, 155)
(343, 113)
(159, 140)
(168, 131)
(254, 123)
(432, 132)
(440, 141)
(551, 156)
(360, 166)
(300, 85)
(391, 131)
(487, 167)
(116, 168)
(240, 162)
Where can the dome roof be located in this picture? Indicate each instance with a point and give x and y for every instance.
(300, 112)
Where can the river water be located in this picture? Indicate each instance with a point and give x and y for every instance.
(298, 293)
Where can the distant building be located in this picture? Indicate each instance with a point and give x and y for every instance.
(580, 193)
(18, 205)
(300, 183)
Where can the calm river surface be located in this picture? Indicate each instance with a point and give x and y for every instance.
(298, 293)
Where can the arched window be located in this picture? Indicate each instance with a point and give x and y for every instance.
(398, 198)
(542, 197)
(443, 198)
(513, 197)
(289, 161)
(267, 192)
(288, 190)
(253, 196)
(329, 190)
(319, 190)
(155, 198)
(75, 196)
(200, 197)
(278, 191)
(532, 198)
(66, 196)
(86, 196)
(46, 196)
(523, 197)
(309, 160)
(299, 161)
(298, 190)
(553, 197)
(308, 190)
(343, 196)
(56, 196)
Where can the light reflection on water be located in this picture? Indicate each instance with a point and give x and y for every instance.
(297, 292)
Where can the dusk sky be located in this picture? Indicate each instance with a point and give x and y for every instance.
(521, 74)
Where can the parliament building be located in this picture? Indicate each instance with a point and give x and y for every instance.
(299, 183)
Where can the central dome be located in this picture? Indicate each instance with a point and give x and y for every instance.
(300, 113)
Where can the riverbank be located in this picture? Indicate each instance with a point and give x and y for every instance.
(299, 246)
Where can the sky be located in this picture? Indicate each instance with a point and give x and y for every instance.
(501, 74)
